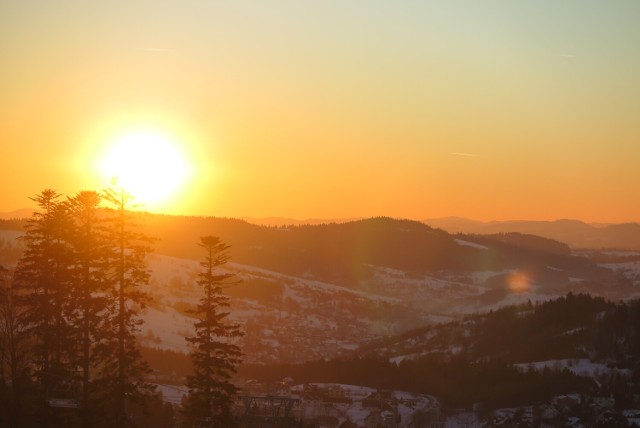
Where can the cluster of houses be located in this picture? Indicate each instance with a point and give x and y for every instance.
(327, 405)
(336, 406)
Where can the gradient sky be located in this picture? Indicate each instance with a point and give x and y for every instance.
(492, 110)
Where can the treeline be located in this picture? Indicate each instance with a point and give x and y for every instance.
(536, 254)
(69, 315)
(457, 382)
(560, 328)
(344, 253)
(532, 242)
(572, 326)
(335, 253)
(475, 360)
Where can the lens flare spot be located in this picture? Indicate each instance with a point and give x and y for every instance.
(519, 282)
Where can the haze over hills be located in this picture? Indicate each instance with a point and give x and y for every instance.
(391, 291)
(286, 221)
(397, 289)
(319, 291)
(576, 233)
(348, 253)
(16, 214)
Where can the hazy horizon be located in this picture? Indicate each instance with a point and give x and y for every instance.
(277, 220)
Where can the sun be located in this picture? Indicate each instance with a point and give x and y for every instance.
(148, 164)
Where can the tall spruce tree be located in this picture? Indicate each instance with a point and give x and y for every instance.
(213, 353)
(91, 257)
(124, 370)
(43, 277)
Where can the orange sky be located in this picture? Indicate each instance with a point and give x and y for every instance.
(488, 110)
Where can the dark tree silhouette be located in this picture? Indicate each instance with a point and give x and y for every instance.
(14, 352)
(213, 353)
(90, 283)
(43, 276)
(124, 369)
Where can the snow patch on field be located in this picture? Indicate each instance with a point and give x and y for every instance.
(357, 411)
(630, 269)
(470, 244)
(481, 277)
(633, 416)
(578, 366)
(172, 393)
(310, 283)
(620, 253)
(308, 313)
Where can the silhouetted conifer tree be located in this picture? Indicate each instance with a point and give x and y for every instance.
(124, 370)
(43, 276)
(213, 353)
(92, 254)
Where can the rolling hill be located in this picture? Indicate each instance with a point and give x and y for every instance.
(319, 291)
(576, 233)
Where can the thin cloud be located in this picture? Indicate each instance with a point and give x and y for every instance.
(466, 155)
(156, 50)
(567, 55)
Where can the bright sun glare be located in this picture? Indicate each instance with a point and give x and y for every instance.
(149, 165)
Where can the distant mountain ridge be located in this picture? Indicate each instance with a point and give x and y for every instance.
(286, 221)
(16, 214)
(350, 254)
(358, 280)
(431, 270)
(576, 233)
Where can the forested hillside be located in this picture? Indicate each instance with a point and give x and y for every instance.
(346, 253)
(575, 233)
(509, 357)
